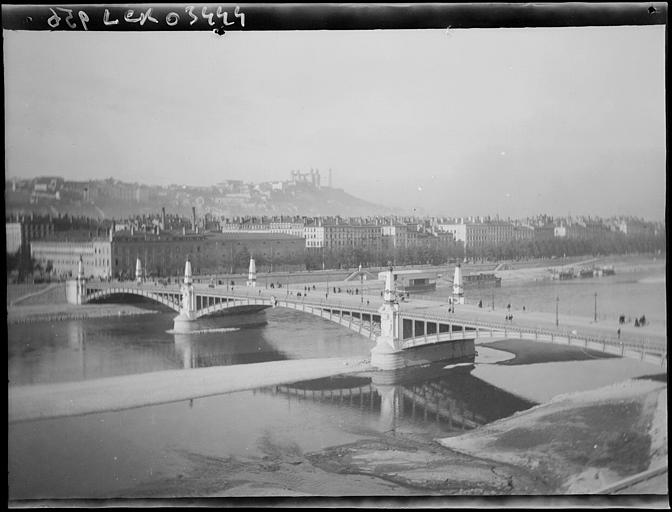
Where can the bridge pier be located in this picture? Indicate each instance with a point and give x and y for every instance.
(387, 354)
(75, 289)
(252, 274)
(183, 321)
(458, 286)
(392, 352)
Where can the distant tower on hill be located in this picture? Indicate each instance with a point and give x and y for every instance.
(330, 177)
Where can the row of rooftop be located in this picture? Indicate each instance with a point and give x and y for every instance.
(320, 232)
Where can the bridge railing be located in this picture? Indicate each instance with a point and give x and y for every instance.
(238, 293)
(647, 346)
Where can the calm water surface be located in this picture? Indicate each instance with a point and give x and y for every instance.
(629, 293)
(104, 347)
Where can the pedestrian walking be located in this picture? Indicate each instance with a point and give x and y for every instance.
(618, 332)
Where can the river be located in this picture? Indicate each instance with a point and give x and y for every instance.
(632, 292)
(132, 453)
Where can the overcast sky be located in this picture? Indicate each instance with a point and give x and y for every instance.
(512, 122)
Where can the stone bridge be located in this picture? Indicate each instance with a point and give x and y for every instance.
(402, 338)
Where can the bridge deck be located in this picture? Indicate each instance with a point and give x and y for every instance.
(488, 321)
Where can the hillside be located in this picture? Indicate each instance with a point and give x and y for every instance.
(325, 202)
(308, 201)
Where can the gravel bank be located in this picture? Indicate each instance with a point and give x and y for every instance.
(581, 442)
(128, 391)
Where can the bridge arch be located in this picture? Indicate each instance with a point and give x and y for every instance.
(170, 299)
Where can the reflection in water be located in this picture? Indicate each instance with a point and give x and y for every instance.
(44, 352)
(77, 342)
(452, 399)
(238, 347)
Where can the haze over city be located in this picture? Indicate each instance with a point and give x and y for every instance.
(462, 122)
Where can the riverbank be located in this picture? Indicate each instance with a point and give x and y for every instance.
(47, 303)
(539, 270)
(60, 312)
(582, 442)
(18, 293)
(576, 444)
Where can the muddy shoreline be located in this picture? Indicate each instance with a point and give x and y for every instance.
(400, 465)
(575, 444)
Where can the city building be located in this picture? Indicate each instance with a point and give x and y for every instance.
(395, 236)
(311, 178)
(46, 187)
(28, 228)
(582, 230)
(164, 254)
(60, 257)
(292, 228)
(13, 237)
(288, 228)
(634, 227)
(314, 236)
(334, 236)
(544, 232)
(475, 235)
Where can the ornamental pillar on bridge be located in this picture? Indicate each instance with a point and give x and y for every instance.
(181, 323)
(252, 274)
(458, 286)
(75, 289)
(138, 271)
(81, 282)
(386, 355)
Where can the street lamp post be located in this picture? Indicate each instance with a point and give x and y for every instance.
(595, 317)
(361, 284)
(557, 302)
